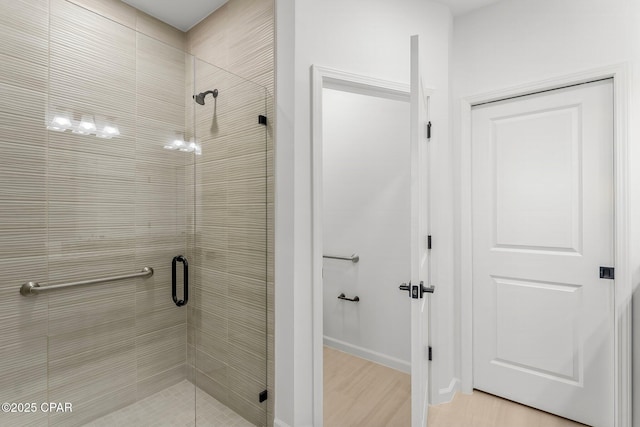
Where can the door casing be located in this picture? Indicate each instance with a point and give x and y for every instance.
(322, 77)
(623, 285)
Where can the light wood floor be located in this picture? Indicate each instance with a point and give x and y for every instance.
(362, 393)
(485, 410)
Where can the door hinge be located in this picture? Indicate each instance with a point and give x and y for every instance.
(429, 130)
(262, 120)
(607, 273)
(429, 242)
(263, 396)
(430, 351)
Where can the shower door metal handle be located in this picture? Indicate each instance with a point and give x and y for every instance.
(185, 282)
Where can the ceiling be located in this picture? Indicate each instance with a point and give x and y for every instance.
(185, 14)
(459, 7)
(178, 13)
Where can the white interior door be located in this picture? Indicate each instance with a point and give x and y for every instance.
(419, 252)
(542, 226)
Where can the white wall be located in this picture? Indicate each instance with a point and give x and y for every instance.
(370, 38)
(366, 209)
(522, 41)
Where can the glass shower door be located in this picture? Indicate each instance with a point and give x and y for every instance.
(228, 322)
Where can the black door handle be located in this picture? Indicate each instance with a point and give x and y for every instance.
(418, 292)
(185, 283)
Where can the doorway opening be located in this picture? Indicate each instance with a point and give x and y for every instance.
(363, 189)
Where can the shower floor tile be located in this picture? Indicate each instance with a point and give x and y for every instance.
(173, 407)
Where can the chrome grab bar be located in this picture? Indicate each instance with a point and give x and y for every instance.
(353, 258)
(34, 288)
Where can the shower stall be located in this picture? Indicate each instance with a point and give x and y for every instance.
(133, 199)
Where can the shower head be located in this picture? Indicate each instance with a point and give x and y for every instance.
(199, 98)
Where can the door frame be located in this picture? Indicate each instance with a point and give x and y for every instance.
(623, 285)
(324, 77)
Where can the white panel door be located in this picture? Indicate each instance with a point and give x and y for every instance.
(542, 227)
(419, 253)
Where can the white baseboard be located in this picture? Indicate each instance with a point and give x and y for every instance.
(280, 423)
(371, 355)
(445, 395)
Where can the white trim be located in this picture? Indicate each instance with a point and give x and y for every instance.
(279, 423)
(446, 394)
(292, 390)
(623, 291)
(365, 353)
(322, 77)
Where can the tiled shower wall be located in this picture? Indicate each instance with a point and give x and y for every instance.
(239, 37)
(74, 206)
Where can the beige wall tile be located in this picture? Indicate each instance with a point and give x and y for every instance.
(254, 413)
(23, 318)
(214, 345)
(160, 351)
(87, 376)
(215, 389)
(22, 419)
(247, 191)
(254, 365)
(248, 264)
(246, 387)
(86, 411)
(159, 30)
(16, 271)
(248, 239)
(86, 265)
(112, 9)
(24, 30)
(76, 318)
(207, 40)
(205, 298)
(249, 341)
(212, 259)
(25, 132)
(160, 381)
(155, 310)
(22, 242)
(252, 291)
(247, 216)
(23, 369)
(212, 323)
(88, 339)
(22, 214)
(152, 136)
(18, 101)
(159, 257)
(23, 73)
(150, 321)
(211, 367)
(247, 166)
